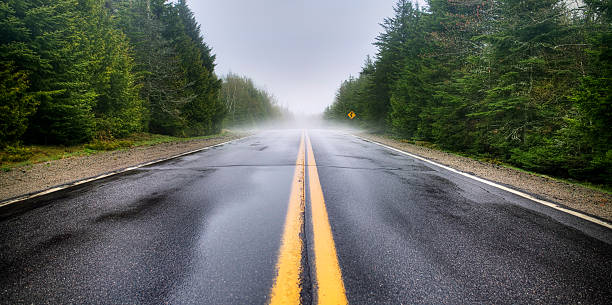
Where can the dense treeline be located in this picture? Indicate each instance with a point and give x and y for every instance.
(246, 104)
(528, 82)
(73, 70)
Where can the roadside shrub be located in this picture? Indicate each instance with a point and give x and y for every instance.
(125, 144)
(15, 154)
(109, 145)
(493, 161)
(427, 144)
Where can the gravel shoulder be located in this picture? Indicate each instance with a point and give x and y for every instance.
(42, 176)
(574, 196)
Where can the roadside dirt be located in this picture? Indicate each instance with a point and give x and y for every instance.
(574, 196)
(41, 176)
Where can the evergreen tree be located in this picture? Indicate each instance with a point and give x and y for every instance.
(118, 109)
(16, 104)
(245, 103)
(523, 81)
(51, 50)
(175, 65)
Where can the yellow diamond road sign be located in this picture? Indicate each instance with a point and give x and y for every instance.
(351, 115)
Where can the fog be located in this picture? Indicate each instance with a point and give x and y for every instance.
(300, 51)
(303, 121)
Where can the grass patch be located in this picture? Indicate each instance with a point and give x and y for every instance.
(108, 145)
(14, 154)
(148, 139)
(33, 154)
(18, 156)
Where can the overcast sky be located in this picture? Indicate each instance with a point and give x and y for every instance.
(299, 51)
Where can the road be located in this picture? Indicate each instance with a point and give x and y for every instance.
(293, 216)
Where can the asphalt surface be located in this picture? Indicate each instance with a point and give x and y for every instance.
(206, 229)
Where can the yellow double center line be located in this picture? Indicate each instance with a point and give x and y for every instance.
(287, 285)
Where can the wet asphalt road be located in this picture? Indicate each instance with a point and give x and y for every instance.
(206, 229)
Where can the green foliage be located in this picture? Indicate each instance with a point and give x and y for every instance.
(15, 153)
(72, 70)
(527, 82)
(40, 42)
(108, 145)
(118, 109)
(12, 156)
(246, 104)
(175, 66)
(16, 105)
(354, 95)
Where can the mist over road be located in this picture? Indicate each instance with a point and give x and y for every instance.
(362, 224)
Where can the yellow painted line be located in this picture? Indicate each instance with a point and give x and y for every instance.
(330, 287)
(287, 286)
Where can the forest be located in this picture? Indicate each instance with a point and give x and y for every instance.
(246, 104)
(76, 70)
(522, 82)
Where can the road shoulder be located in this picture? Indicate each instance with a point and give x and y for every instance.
(573, 196)
(42, 176)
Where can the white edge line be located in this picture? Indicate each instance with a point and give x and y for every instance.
(507, 189)
(102, 176)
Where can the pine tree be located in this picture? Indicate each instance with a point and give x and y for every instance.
(118, 109)
(523, 81)
(16, 104)
(245, 103)
(51, 51)
(175, 66)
